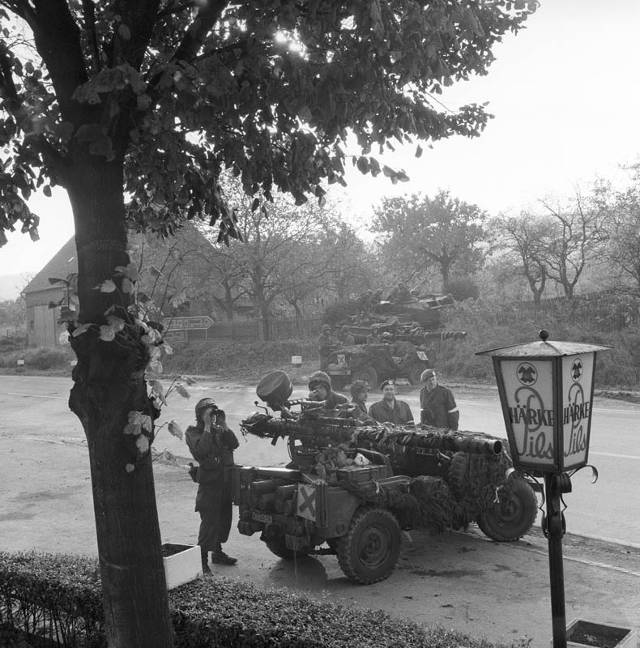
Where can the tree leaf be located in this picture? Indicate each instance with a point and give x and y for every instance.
(116, 323)
(133, 429)
(182, 390)
(175, 430)
(107, 333)
(107, 286)
(83, 328)
(158, 390)
(127, 285)
(142, 444)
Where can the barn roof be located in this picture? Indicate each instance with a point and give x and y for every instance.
(63, 263)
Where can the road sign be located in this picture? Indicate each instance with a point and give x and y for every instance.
(196, 323)
(174, 336)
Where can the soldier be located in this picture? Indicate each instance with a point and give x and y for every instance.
(390, 409)
(212, 443)
(437, 404)
(359, 390)
(320, 390)
(326, 342)
(345, 337)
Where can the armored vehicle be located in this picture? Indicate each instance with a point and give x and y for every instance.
(387, 339)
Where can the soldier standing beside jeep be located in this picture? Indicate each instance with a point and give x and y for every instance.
(212, 443)
(437, 404)
(390, 409)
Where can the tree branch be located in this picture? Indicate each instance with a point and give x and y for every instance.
(194, 36)
(175, 7)
(140, 17)
(57, 39)
(89, 14)
(6, 79)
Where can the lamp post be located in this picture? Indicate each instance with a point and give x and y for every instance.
(546, 393)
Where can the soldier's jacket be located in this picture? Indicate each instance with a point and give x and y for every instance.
(213, 450)
(399, 414)
(325, 342)
(438, 408)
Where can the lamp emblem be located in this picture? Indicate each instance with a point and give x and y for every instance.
(576, 369)
(527, 374)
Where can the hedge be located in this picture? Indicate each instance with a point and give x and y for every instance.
(41, 358)
(208, 357)
(59, 596)
(489, 326)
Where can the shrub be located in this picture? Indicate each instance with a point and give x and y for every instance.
(38, 358)
(491, 325)
(462, 288)
(12, 343)
(207, 612)
(223, 356)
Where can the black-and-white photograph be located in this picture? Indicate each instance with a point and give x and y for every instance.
(319, 324)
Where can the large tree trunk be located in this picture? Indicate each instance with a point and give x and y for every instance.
(108, 384)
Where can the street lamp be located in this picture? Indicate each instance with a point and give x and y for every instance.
(546, 393)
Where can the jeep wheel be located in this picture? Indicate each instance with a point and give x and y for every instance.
(513, 516)
(369, 551)
(278, 547)
(367, 374)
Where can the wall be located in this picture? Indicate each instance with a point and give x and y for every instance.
(42, 322)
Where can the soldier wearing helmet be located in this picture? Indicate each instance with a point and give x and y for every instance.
(320, 390)
(326, 343)
(212, 443)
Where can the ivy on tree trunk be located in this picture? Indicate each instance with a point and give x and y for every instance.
(108, 383)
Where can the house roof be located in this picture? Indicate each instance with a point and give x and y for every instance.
(63, 263)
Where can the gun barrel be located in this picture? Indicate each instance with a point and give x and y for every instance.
(455, 443)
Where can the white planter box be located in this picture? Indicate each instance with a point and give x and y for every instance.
(581, 634)
(183, 565)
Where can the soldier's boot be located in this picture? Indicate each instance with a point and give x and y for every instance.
(204, 556)
(219, 557)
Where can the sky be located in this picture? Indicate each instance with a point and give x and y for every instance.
(565, 95)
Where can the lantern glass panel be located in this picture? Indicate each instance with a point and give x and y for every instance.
(577, 379)
(528, 386)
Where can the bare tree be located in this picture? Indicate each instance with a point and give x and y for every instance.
(623, 250)
(278, 256)
(576, 233)
(526, 237)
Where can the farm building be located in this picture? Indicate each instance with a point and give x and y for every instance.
(42, 321)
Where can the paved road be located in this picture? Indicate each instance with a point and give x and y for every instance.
(459, 580)
(608, 509)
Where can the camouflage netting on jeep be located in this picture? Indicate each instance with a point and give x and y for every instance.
(438, 502)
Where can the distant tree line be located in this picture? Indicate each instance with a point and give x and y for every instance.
(588, 242)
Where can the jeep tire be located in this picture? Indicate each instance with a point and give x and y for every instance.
(513, 516)
(369, 551)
